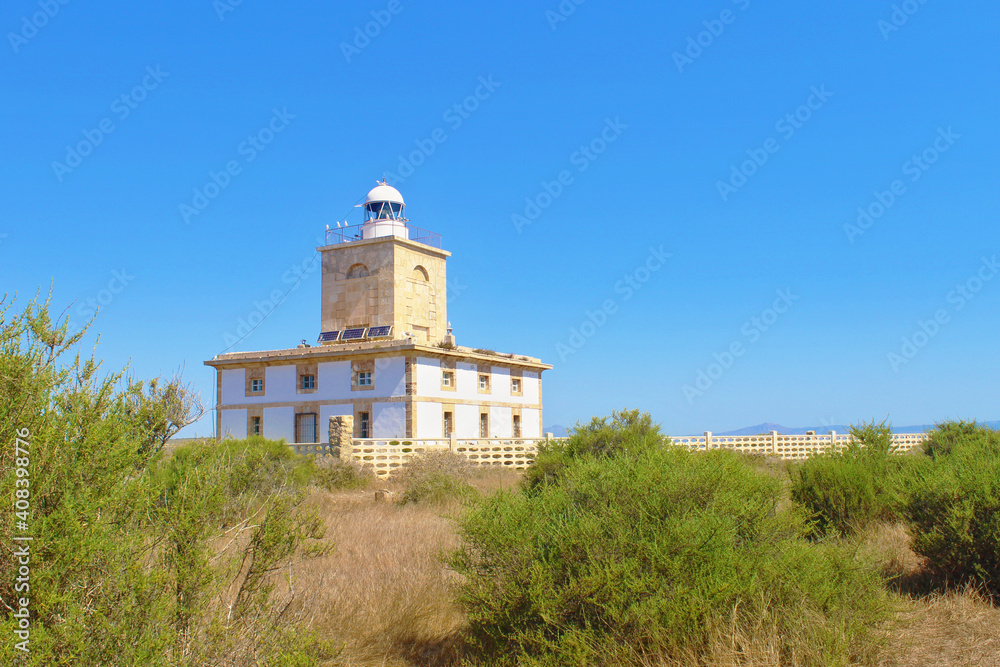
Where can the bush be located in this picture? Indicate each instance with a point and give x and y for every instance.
(436, 478)
(124, 562)
(954, 516)
(624, 432)
(945, 436)
(844, 492)
(645, 558)
(336, 474)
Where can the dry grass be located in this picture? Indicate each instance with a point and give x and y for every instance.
(490, 480)
(953, 628)
(387, 599)
(383, 594)
(937, 626)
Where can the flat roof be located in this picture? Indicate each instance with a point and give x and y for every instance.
(346, 351)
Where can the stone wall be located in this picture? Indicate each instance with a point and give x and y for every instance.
(341, 436)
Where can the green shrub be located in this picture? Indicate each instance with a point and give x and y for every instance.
(336, 474)
(624, 432)
(635, 559)
(947, 435)
(954, 515)
(124, 566)
(843, 492)
(436, 478)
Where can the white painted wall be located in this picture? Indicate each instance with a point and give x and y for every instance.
(467, 381)
(389, 420)
(333, 381)
(279, 386)
(467, 421)
(389, 378)
(428, 376)
(530, 388)
(500, 384)
(430, 420)
(233, 386)
(234, 424)
(279, 424)
(279, 383)
(501, 422)
(531, 426)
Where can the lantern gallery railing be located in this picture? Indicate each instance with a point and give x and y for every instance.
(382, 228)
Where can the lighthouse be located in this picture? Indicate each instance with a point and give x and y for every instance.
(384, 352)
(384, 208)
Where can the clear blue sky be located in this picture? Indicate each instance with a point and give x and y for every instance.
(199, 79)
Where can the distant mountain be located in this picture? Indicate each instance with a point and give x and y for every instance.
(767, 427)
(562, 432)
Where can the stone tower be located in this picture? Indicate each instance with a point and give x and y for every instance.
(384, 273)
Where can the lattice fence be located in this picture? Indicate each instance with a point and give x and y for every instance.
(384, 455)
(788, 447)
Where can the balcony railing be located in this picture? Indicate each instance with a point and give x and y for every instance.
(382, 229)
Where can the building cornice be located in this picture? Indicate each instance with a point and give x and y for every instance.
(369, 350)
(415, 245)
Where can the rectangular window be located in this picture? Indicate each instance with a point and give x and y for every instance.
(305, 427)
(255, 426)
(307, 382)
(484, 425)
(448, 424)
(447, 379)
(517, 426)
(257, 385)
(484, 382)
(364, 425)
(515, 386)
(365, 379)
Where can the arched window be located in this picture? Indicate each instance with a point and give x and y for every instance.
(420, 273)
(357, 271)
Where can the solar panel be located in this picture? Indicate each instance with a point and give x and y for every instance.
(328, 336)
(353, 334)
(379, 332)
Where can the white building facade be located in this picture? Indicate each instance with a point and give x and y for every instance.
(385, 356)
